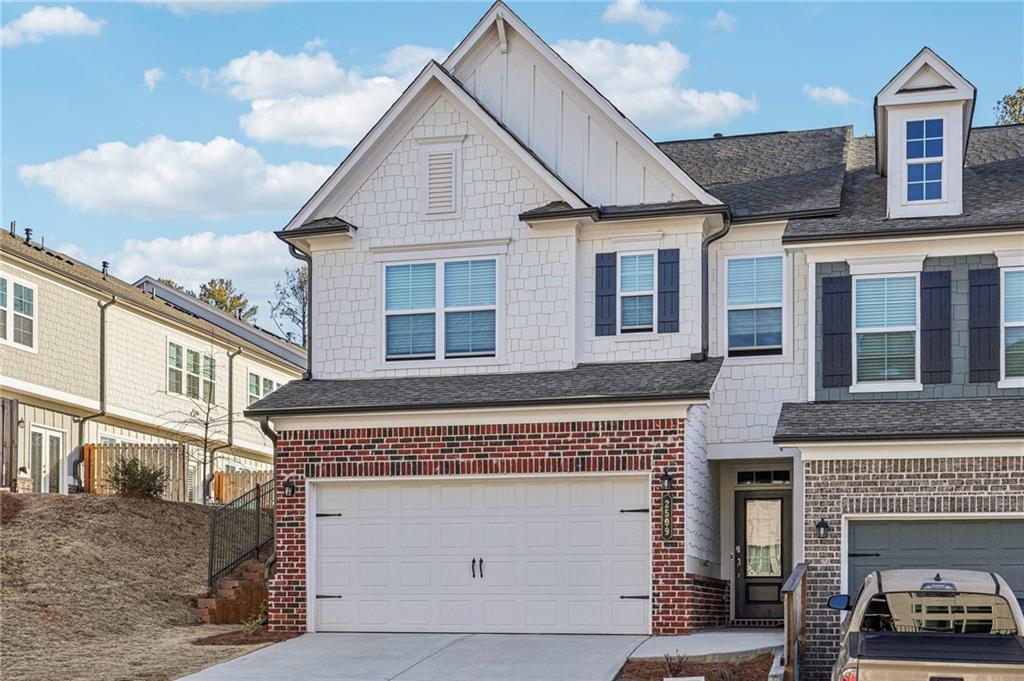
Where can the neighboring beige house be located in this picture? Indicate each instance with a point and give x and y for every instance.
(91, 359)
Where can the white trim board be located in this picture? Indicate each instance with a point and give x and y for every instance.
(909, 449)
(52, 394)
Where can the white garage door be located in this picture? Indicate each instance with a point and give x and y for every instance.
(553, 555)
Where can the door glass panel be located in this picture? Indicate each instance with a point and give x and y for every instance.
(764, 537)
(54, 451)
(35, 463)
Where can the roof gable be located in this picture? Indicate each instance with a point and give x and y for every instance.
(392, 127)
(603, 155)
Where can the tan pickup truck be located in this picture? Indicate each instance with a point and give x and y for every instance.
(923, 625)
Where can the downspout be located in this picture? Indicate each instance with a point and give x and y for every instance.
(705, 286)
(231, 418)
(76, 465)
(268, 565)
(296, 253)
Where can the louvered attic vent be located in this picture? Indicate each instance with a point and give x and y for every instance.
(440, 180)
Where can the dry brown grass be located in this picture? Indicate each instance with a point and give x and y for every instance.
(100, 587)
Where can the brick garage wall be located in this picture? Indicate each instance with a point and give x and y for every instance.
(680, 601)
(833, 489)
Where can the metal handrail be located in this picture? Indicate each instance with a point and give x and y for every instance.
(240, 529)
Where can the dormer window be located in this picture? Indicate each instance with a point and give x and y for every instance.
(924, 160)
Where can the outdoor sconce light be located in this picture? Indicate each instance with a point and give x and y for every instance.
(289, 487)
(823, 527)
(666, 481)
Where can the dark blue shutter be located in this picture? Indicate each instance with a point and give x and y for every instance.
(936, 318)
(983, 315)
(604, 298)
(836, 334)
(668, 290)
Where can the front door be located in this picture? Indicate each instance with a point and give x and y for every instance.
(763, 552)
(46, 453)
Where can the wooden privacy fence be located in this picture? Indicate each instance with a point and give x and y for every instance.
(794, 603)
(98, 462)
(228, 485)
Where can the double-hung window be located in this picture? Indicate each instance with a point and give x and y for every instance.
(754, 305)
(260, 387)
(17, 313)
(191, 373)
(445, 309)
(1013, 323)
(175, 366)
(637, 286)
(885, 320)
(924, 159)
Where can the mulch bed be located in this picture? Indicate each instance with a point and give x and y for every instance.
(243, 638)
(653, 669)
(10, 504)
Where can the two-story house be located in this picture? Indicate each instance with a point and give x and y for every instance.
(549, 358)
(86, 358)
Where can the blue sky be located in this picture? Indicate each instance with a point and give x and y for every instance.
(172, 138)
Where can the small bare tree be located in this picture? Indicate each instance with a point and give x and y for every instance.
(289, 310)
(203, 428)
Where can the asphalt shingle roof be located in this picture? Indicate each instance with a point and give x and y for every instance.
(768, 173)
(587, 383)
(993, 192)
(900, 419)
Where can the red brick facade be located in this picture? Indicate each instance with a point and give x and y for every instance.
(833, 489)
(681, 602)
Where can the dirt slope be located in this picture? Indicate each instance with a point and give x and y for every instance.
(98, 587)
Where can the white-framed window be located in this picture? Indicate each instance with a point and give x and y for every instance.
(260, 387)
(18, 313)
(442, 309)
(886, 337)
(440, 172)
(925, 157)
(637, 288)
(754, 305)
(191, 373)
(1012, 350)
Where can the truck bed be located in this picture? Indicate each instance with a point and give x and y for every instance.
(927, 647)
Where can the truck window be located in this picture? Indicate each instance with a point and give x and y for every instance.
(929, 611)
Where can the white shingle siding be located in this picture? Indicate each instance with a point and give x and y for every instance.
(703, 554)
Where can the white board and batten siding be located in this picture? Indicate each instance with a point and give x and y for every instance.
(557, 555)
(560, 124)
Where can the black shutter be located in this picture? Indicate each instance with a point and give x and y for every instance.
(936, 318)
(668, 290)
(604, 298)
(836, 336)
(983, 314)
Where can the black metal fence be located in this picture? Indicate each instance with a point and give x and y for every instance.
(240, 529)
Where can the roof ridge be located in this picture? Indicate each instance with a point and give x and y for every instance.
(757, 134)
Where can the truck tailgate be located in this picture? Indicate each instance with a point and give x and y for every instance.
(937, 657)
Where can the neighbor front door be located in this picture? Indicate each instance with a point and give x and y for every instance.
(763, 552)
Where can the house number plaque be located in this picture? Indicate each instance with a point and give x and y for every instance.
(666, 515)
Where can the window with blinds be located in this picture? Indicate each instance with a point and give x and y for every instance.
(636, 292)
(885, 320)
(1013, 323)
(440, 179)
(754, 305)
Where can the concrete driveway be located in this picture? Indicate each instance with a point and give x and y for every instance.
(431, 657)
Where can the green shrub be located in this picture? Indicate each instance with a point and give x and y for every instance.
(135, 478)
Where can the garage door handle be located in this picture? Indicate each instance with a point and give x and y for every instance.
(635, 598)
(328, 596)
(474, 568)
(863, 555)
(481, 568)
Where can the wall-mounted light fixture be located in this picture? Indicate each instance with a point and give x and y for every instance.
(823, 527)
(289, 487)
(666, 481)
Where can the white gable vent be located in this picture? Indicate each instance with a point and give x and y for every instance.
(439, 178)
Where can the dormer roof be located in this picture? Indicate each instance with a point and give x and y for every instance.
(926, 78)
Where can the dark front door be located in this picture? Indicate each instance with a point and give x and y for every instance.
(763, 552)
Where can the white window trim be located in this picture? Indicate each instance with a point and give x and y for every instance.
(926, 159)
(185, 349)
(439, 360)
(9, 307)
(787, 307)
(1004, 381)
(887, 386)
(440, 145)
(638, 335)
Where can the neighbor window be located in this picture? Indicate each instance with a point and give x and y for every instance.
(924, 160)
(636, 292)
(440, 309)
(1013, 323)
(191, 373)
(754, 305)
(885, 317)
(260, 387)
(17, 313)
(174, 368)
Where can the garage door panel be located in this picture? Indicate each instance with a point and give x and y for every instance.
(557, 556)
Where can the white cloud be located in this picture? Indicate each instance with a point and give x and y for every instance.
(310, 99)
(643, 81)
(40, 22)
(150, 77)
(165, 178)
(636, 12)
(314, 44)
(185, 7)
(830, 94)
(722, 21)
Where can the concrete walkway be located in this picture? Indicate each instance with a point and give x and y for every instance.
(431, 657)
(712, 645)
